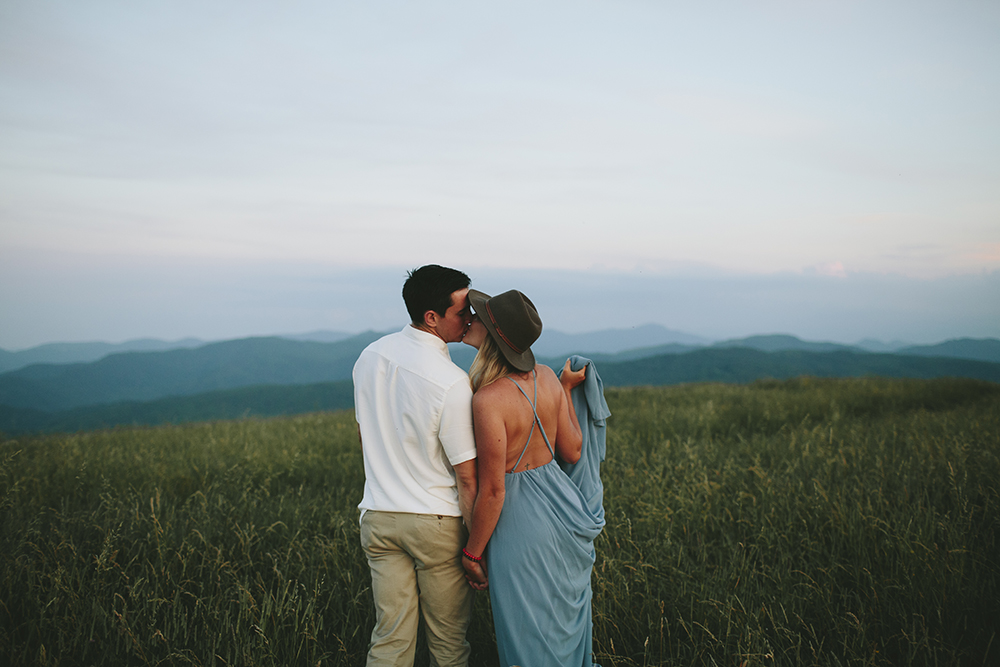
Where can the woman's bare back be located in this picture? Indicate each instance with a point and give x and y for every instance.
(505, 398)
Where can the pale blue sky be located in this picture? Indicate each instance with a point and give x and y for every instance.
(170, 169)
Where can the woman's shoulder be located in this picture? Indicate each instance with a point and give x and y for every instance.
(546, 374)
(495, 391)
(548, 382)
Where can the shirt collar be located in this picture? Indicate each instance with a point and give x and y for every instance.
(427, 339)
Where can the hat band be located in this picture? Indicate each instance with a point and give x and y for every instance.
(500, 332)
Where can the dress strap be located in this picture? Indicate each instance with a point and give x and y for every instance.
(535, 421)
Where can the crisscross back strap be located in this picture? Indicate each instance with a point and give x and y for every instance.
(535, 421)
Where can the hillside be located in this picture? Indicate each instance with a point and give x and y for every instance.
(825, 522)
(71, 353)
(148, 376)
(613, 341)
(980, 349)
(258, 401)
(552, 342)
(278, 375)
(780, 342)
(735, 365)
(740, 365)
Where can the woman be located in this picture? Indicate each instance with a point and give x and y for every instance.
(531, 525)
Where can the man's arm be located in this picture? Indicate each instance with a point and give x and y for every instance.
(458, 439)
(468, 487)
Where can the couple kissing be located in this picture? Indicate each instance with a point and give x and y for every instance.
(482, 481)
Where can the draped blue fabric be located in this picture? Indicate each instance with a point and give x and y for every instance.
(540, 559)
(592, 411)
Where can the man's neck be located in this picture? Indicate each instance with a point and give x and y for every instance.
(427, 329)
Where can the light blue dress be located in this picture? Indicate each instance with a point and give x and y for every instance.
(592, 412)
(540, 557)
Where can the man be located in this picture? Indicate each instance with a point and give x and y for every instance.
(414, 412)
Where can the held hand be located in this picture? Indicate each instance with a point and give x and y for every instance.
(571, 378)
(475, 574)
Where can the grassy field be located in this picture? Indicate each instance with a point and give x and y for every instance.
(806, 522)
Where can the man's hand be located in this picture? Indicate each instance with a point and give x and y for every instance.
(475, 574)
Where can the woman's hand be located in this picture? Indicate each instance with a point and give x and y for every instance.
(570, 378)
(475, 574)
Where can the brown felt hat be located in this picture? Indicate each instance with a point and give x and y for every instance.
(513, 323)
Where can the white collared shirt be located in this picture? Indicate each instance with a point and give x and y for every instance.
(414, 409)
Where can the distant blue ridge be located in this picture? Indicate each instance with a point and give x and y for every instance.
(276, 376)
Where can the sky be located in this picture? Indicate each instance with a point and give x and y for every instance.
(217, 170)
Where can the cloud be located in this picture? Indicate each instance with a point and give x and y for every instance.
(986, 253)
(833, 269)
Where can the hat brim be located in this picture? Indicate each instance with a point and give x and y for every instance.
(522, 361)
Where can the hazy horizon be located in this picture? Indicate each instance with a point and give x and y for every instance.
(317, 334)
(180, 303)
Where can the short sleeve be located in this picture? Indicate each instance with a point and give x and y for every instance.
(456, 431)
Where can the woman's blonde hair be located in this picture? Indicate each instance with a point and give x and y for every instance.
(489, 365)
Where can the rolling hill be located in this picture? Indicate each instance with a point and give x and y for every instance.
(552, 342)
(257, 401)
(782, 342)
(980, 349)
(740, 365)
(146, 376)
(613, 341)
(234, 363)
(70, 353)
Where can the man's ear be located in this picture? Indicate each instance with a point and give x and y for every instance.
(431, 319)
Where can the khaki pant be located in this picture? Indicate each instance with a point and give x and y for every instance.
(416, 563)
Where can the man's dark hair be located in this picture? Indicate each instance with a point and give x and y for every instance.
(430, 288)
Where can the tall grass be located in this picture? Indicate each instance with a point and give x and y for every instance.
(783, 523)
(804, 522)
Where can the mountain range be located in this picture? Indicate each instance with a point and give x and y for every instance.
(144, 376)
(551, 343)
(70, 353)
(282, 375)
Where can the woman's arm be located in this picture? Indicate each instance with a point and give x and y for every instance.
(491, 448)
(569, 437)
